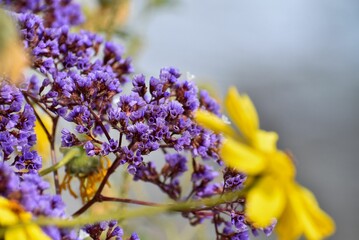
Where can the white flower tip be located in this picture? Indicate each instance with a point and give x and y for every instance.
(190, 76)
(225, 119)
(83, 234)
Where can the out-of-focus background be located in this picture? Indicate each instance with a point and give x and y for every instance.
(298, 61)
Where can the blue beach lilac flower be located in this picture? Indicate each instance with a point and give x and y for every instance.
(134, 236)
(233, 180)
(55, 13)
(208, 103)
(17, 129)
(96, 230)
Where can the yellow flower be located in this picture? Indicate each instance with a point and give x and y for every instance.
(275, 195)
(303, 212)
(11, 216)
(43, 144)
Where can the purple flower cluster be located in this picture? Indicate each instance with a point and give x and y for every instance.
(208, 103)
(267, 230)
(134, 236)
(96, 230)
(115, 232)
(153, 116)
(168, 178)
(202, 178)
(17, 129)
(56, 13)
(235, 227)
(80, 71)
(29, 191)
(233, 180)
(229, 220)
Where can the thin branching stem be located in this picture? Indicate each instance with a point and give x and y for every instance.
(97, 196)
(145, 211)
(53, 155)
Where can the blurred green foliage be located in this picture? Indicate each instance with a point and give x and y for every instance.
(12, 54)
(8, 30)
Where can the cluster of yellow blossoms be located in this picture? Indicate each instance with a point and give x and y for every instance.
(275, 194)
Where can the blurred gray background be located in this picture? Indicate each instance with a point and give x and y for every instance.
(299, 62)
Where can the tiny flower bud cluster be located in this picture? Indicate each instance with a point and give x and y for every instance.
(114, 232)
(17, 129)
(56, 13)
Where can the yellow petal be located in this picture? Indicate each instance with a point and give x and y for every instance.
(4, 202)
(242, 111)
(265, 141)
(281, 166)
(35, 232)
(26, 232)
(265, 201)
(15, 233)
(11, 214)
(288, 226)
(7, 217)
(25, 216)
(43, 145)
(317, 224)
(213, 122)
(242, 158)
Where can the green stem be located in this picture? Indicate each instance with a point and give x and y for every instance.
(143, 211)
(125, 187)
(68, 157)
(55, 120)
